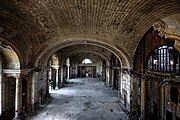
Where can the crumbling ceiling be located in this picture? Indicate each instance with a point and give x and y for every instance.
(33, 25)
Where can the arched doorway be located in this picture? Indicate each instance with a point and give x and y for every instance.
(9, 83)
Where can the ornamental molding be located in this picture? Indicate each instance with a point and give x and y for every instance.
(168, 31)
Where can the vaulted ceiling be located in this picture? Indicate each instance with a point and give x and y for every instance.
(34, 25)
(82, 51)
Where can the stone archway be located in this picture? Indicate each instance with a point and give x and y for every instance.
(10, 84)
(73, 48)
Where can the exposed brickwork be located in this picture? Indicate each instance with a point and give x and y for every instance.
(151, 41)
(36, 24)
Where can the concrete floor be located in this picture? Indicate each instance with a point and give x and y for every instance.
(82, 99)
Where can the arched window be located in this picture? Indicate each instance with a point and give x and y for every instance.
(86, 61)
(164, 59)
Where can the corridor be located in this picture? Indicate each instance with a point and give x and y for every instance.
(82, 99)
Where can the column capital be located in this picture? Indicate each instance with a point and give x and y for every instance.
(144, 77)
(17, 76)
(26, 71)
(55, 66)
(57, 77)
(12, 72)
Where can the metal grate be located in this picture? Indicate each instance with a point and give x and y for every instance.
(164, 59)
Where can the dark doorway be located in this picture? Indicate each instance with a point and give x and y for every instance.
(24, 94)
(168, 115)
(155, 111)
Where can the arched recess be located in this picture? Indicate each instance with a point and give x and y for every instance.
(124, 59)
(87, 61)
(53, 71)
(9, 57)
(104, 55)
(148, 80)
(152, 15)
(6, 44)
(78, 68)
(10, 71)
(164, 30)
(54, 60)
(116, 73)
(150, 41)
(71, 53)
(163, 69)
(164, 59)
(122, 55)
(169, 27)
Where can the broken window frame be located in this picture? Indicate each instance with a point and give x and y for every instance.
(164, 59)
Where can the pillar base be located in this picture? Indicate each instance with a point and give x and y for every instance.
(56, 88)
(141, 118)
(16, 115)
(19, 116)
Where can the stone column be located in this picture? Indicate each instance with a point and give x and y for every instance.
(143, 98)
(92, 71)
(112, 78)
(68, 71)
(4, 92)
(133, 93)
(108, 74)
(32, 93)
(57, 78)
(162, 93)
(119, 84)
(49, 73)
(62, 79)
(121, 89)
(18, 96)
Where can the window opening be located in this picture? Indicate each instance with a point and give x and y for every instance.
(87, 61)
(174, 94)
(164, 59)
